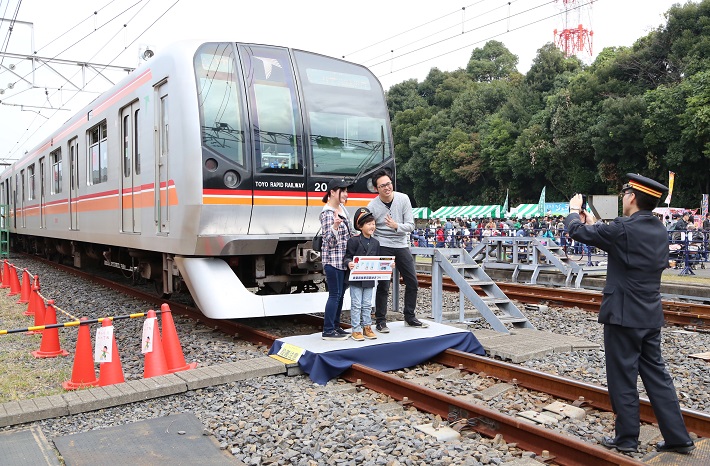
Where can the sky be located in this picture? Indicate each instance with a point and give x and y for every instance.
(397, 40)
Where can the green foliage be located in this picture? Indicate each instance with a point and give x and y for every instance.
(464, 137)
(492, 62)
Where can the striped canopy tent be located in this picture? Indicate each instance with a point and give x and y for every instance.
(470, 211)
(526, 211)
(422, 212)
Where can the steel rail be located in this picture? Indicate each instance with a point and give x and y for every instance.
(563, 449)
(560, 387)
(675, 312)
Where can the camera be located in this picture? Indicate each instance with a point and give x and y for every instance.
(584, 203)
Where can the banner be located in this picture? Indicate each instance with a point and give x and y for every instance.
(505, 204)
(704, 205)
(671, 179)
(541, 203)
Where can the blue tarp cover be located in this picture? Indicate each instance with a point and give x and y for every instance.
(402, 347)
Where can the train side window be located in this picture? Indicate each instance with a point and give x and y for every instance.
(55, 158)
(220, 101)
(31, 182)
(97, 156)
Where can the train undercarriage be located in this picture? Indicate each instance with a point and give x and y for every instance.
(293, 268)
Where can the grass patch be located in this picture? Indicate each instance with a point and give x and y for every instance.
(22, 376)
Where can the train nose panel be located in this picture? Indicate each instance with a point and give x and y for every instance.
(220, 294)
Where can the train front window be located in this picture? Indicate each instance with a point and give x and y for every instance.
(347, 115)
(220, 101)
(274, 109)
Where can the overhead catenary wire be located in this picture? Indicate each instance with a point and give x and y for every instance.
(19, 142)
(412, 29)
(484, 40)
(70, 29)
(109, 63)
(455, 26)
(6, 41)
(472, 30)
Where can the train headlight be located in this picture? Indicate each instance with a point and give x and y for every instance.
(370, 186)
(231, 179)
(211, 164)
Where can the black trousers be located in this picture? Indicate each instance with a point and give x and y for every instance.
(631, 352)
(405, 267)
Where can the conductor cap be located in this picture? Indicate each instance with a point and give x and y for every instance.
(645, 185)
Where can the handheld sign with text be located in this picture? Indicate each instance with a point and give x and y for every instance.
(371, 268)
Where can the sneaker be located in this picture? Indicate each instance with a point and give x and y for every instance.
(341, 331)
(357, 336)
(382, 327)
(368, 333)
(682, 448)
(333, 336)
(416, 323)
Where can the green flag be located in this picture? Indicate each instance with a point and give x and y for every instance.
(541, 203)
(505, 204)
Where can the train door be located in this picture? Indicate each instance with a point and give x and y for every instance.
(279, 193)
(130, 169)
(74, 184)
(162, 213)
(42, 200)
(22, 198)
(14, 200)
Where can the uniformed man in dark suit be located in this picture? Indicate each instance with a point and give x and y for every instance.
(637, 246)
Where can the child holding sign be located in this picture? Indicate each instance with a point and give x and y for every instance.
(361, 291)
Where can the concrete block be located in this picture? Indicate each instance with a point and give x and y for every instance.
(89, 400)
(494, 391)
(131, 392)
(390, 408)
(164, 385)
(448, 374)
(340, 388)
(52, 406)
(572, 412)
(441, 433)
(538, 417)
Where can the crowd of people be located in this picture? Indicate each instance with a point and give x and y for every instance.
(465, 232)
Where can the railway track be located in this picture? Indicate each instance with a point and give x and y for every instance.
(552, 447)
(694, 315)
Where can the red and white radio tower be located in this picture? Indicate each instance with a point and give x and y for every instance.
(575, 38)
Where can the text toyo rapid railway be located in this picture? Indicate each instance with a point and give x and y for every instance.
(205, 167)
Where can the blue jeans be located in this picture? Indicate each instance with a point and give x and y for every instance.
(360, 307)
(335, 279)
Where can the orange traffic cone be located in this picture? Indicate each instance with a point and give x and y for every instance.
(31, 305)
(37, 303)
(171, 342)
(49, 348)
(5, 275)
(25, 288)
(111, 372)
(155, 363)
(14, 281)
(82, 373)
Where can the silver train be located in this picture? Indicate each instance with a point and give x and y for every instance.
(204, 170)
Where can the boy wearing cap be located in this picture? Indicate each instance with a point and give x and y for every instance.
(631, 311)
(361, 291)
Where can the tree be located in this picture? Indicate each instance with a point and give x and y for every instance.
(547, 66)
(493, 61)
(403, 96)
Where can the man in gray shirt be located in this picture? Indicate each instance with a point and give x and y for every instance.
(393, 214)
